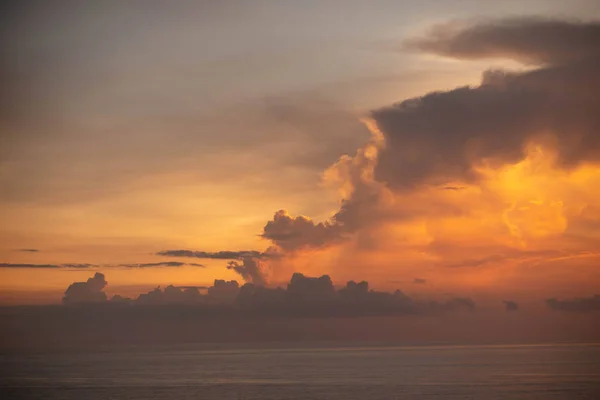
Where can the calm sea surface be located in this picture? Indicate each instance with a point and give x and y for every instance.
(444, 372)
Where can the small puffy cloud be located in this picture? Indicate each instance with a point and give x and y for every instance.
(86, 292)
(295, 233)
(510, 305)
(581, 304)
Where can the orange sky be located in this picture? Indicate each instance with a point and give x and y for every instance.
(150, 157)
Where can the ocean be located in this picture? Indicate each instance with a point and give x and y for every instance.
(565, 371)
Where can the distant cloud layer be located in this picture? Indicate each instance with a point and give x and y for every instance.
(16, 265)
(92, 266)
(582, 304)
(28, 250)
(218, 255)
(304, 296)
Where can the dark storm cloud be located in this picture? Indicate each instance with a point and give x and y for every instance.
(577, 305)
(442, 136)
(528, 40)
(86, 292)
(510, 305)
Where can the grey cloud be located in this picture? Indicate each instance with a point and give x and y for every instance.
(12, 265)
(170, 295)
(440, 137)
(575, 305)
(219, 255)
(79, 266)
(84, 266)
(86, 292)
(294, 233)
(251, 269)
(224, 291)
(530, 40)
(161, 264)
(510, 305)
(303, 296)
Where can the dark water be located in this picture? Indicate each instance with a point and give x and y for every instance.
(475, 372)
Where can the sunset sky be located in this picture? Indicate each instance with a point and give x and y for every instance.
(433, 146)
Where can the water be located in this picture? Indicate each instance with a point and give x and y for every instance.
(373, 372)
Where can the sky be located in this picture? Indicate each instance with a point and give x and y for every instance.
(447, 148)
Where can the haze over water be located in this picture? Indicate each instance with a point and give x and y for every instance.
(524, 372)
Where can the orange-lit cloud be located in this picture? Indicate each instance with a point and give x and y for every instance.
(473, 187)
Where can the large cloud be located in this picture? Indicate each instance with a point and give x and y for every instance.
(502, 168)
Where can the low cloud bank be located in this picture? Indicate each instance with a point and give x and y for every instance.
(581, 304)
(303, 296)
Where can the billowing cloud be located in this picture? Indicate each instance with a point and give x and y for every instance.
(293, 233)
(303, 296)
(251, 269)
(445, 136)
(86, 292)
(497, 175)
(578, 304)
